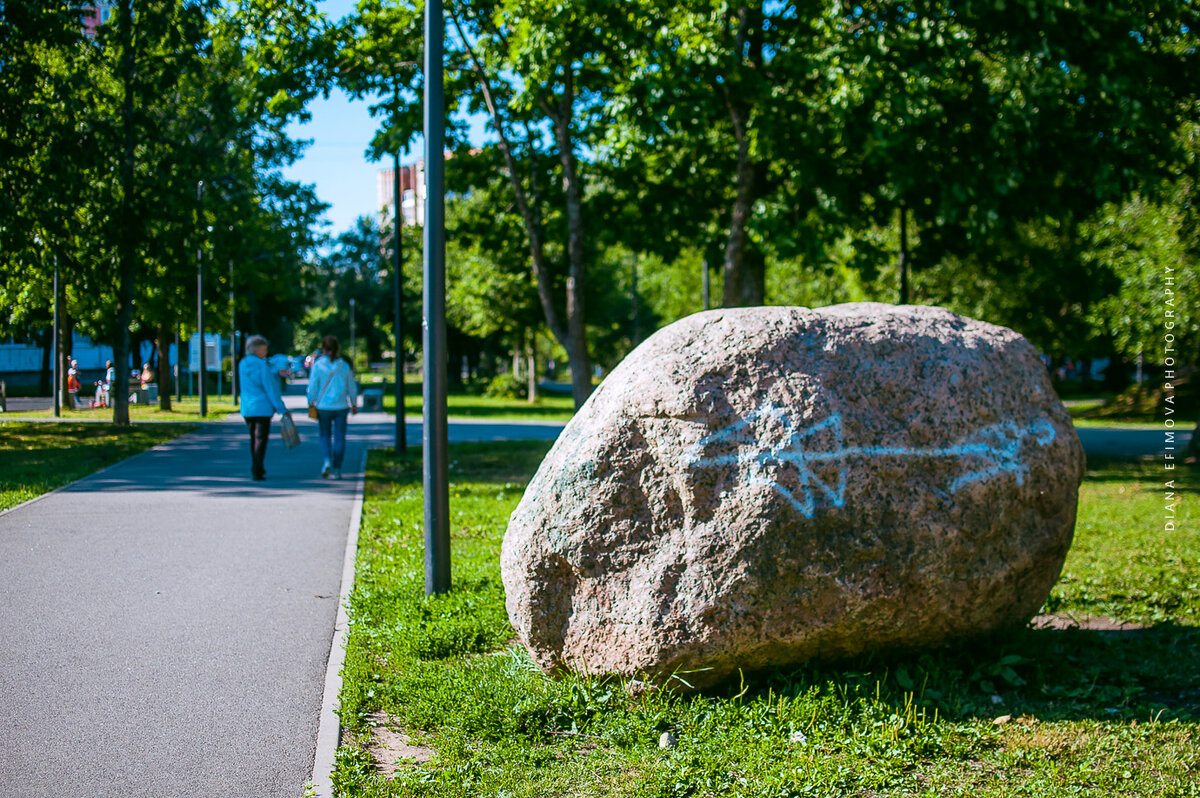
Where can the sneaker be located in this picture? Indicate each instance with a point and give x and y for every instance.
(337, 474)
(325, 470)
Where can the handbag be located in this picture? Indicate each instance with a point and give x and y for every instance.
(312, 406)
(291, 436)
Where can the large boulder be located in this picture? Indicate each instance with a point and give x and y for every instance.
(763, 486)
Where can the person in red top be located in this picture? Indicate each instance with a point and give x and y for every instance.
(73, 385)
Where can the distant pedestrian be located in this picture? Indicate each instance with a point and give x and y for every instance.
(333, 392)
(260, 401)
(73, 384)
(110, 379)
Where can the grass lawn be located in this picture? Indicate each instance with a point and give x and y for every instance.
(187, 409)
(546, 408)
(1043, 713)
(38, 458)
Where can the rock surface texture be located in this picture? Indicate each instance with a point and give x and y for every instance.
(763, 486)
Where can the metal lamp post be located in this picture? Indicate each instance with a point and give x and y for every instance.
(233, 347)
(434, 428)
(398, 305)
(178, 364)
(57, 364)
(353, 350)
(200, 297)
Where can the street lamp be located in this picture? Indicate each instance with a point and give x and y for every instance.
(200, 297)
(398, 309)
(233, 347)
(353, 351)
(57, 389)
(434, 431)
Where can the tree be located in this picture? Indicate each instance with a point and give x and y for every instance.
(49, 117)
(789, 123)
(541, 72)
(360, 266)
(544, 73)
(728, 108)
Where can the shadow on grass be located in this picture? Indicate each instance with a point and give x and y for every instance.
(480, 409)
(1123, 469)
(1051, 674)
(498, 462)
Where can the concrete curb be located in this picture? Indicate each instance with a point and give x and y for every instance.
(329, 731)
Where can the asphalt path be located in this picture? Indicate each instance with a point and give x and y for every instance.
(21, 404)
(1118, 441)
(166, 623)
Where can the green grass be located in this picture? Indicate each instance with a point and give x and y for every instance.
(1124, 564)
(1038, 713)
(545, 408)
(38, 458)
(187, 409)
(1140, 404)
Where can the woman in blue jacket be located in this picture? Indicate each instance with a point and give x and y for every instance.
(334, 392)
(260, 400)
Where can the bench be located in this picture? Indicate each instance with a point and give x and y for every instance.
(372, 399)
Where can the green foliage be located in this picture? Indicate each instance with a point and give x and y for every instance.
(151, 151)
(506, 386)
(1096, 713)
(1148, 248)
(360, 266)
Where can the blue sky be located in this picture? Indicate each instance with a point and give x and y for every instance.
(340, 129)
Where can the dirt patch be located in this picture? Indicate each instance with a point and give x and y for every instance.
(1089, 623)
(391, 749)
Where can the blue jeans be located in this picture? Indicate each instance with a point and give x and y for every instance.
(332, 425)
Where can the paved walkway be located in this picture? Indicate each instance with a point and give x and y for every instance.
(1116, 441)
(166, 623)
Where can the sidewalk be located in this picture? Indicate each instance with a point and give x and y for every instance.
(166, 622)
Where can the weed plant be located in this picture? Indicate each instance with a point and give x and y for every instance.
(1042, 712)
(37, 458)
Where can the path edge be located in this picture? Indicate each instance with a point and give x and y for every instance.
(329, 730)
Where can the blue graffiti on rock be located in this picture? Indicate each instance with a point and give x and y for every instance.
(986, 453)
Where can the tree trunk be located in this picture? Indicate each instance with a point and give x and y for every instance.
(126, 249)
(576, 343)
(741, 286)
(162, 343)
(744, 284)
(572, 337)
(44, 377)
(531, 368)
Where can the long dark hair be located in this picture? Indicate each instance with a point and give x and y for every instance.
(330, 345)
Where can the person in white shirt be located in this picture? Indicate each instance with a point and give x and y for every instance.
(333, 391)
